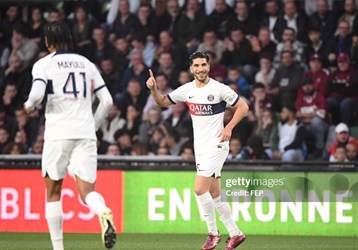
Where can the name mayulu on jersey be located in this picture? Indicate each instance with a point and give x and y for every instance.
(65, 65)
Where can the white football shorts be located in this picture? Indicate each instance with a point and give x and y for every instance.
(79, 157)
(210, 162)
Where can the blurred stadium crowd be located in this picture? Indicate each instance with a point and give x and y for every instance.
(294, 62)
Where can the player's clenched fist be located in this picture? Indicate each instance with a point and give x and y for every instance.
(151, 83)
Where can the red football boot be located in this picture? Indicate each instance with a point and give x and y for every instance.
(234, 241)
(211, 241)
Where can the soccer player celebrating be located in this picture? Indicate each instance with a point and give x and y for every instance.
(206, 100)
(70, 80)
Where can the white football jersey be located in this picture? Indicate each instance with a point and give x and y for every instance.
(207, 106)
(70, 81)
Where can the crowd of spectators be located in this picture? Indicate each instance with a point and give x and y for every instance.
(294, 62)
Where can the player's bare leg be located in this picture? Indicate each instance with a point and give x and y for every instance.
(97, 204)
(201, 189)
(236, 236)
(53, 212)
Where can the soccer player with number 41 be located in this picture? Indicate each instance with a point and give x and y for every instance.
(69, 81)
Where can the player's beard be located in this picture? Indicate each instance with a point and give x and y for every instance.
(201, 77)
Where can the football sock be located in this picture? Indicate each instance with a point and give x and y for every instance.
(54, 220)
(226, 216)
(206, 202)
(96, 202)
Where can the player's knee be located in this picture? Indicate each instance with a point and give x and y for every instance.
(200, 190)
(53, 195)
(214, 193)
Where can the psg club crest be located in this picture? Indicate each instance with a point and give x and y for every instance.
(210, 98)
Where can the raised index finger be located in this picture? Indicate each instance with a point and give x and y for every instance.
(151, 73)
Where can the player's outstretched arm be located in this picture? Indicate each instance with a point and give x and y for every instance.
(160, 99)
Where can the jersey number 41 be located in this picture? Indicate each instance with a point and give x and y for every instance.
(70, 86)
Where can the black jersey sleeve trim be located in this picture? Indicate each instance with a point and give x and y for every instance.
(100, 87)
(170, 99)
(39, 79)
(237, 99)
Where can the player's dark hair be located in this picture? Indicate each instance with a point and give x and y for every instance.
(198, 54)
(58, 35)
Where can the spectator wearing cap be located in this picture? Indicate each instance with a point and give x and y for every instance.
(312, 110)
(291, 136)
(342, 139)
(342, 91)
(316, 45)
(319, 75)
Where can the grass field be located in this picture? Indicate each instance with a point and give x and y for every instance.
(38, 241)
